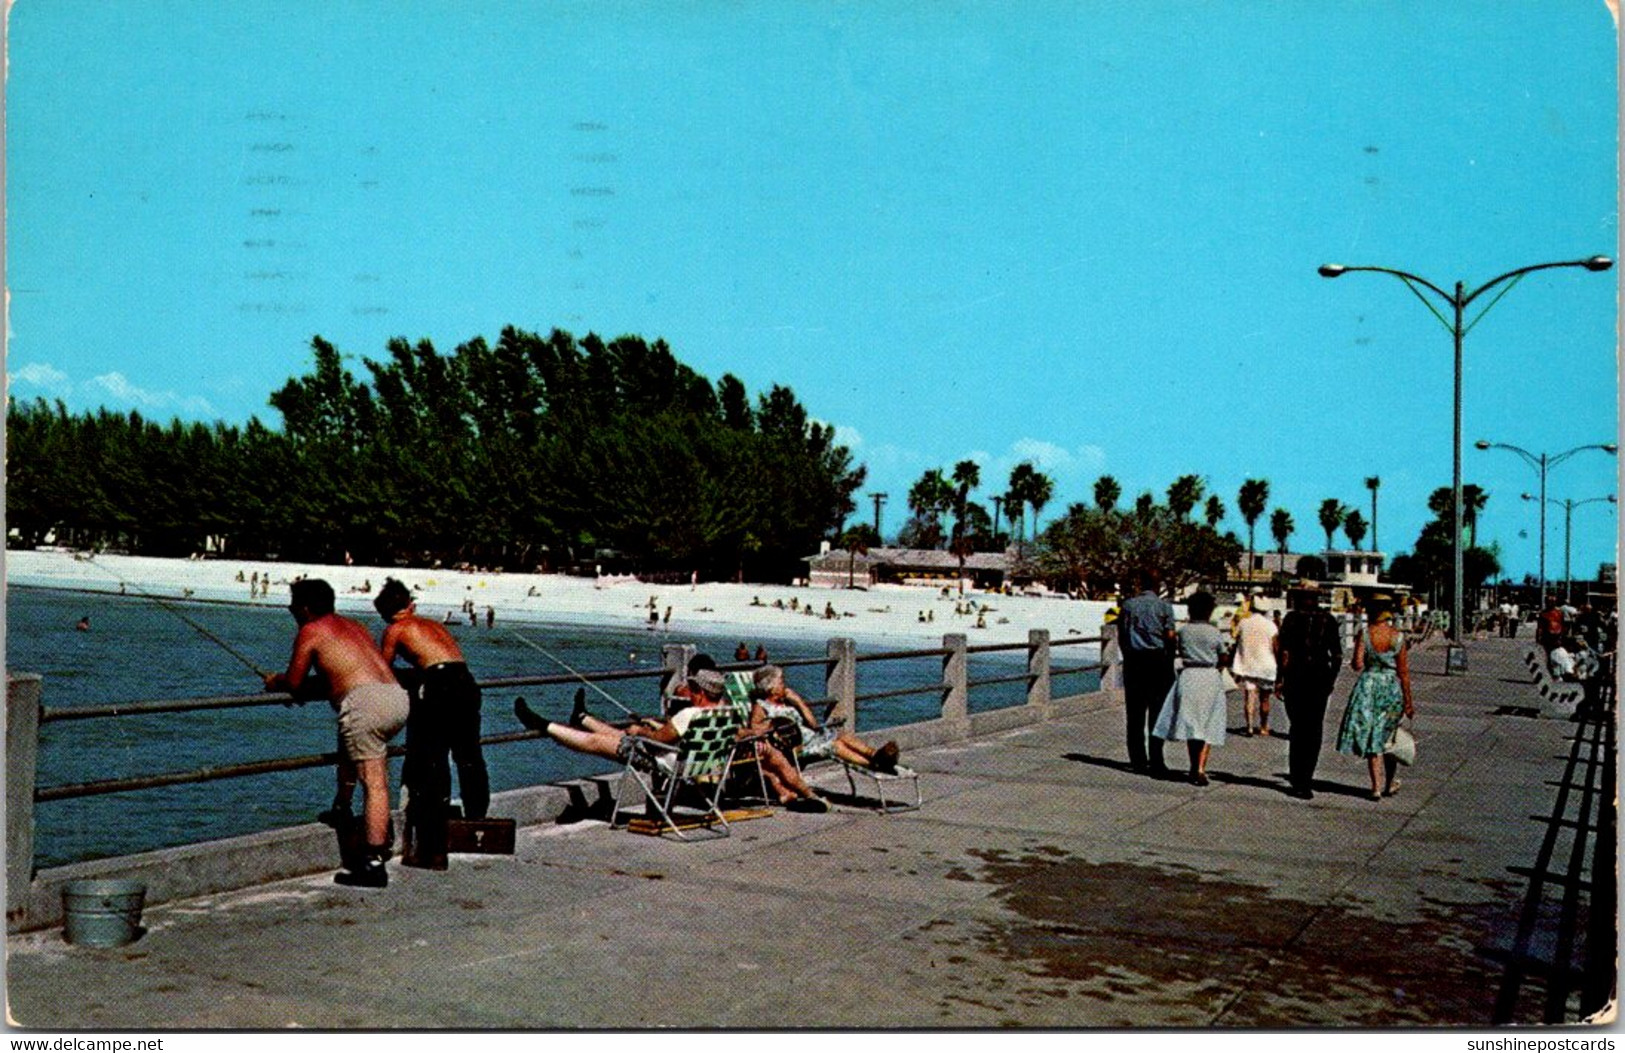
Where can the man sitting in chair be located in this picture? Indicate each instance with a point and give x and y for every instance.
(775, 698)
(585, 733)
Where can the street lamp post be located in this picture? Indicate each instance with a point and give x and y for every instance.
(1568, 505)
(1459, 301)
(1541, 463)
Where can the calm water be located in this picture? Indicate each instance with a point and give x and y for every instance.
(137, 650)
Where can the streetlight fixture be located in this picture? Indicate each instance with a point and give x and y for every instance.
(1568, 505)
(1541, 463)
(1459, 301)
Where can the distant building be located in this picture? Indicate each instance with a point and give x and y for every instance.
(834, 568)
(1353, 567)
(1266, 567)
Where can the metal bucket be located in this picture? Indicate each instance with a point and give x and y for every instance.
(102, 913)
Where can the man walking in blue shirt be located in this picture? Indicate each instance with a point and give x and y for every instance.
(1146, 635)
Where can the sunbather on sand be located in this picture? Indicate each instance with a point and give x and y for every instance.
(776, 698)
(585, 733)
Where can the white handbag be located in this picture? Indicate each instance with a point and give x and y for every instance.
(1402, 747)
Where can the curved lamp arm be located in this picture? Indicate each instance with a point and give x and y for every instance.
(1592, 263)
(1334, 270)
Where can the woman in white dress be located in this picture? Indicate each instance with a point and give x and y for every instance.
(1194, 712)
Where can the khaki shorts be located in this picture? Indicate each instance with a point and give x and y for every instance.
(369, 716)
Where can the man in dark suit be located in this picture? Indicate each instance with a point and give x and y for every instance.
(1311, 653)
(1146, 633)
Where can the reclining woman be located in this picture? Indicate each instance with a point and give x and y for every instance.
(775, 698)
(585, 733)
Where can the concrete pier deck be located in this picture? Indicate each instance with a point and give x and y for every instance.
(1042, 885)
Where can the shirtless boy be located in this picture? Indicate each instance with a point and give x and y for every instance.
(371, 708)
(445, 716)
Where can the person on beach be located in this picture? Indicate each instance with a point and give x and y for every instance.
(1381, 697)
(1194, 710)
(1145, 632)
(585, 733)
(371, 706)
(445, 717)
(1311, 651)
(1257, 641)
(775, 698)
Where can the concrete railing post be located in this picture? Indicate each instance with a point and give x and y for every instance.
(1038, 682)
(674, 658)
(841, 680)
(955, 696)
(22, 755)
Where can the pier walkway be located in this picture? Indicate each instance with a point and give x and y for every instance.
(1042, 885)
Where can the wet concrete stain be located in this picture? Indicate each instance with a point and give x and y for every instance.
(1214, 950)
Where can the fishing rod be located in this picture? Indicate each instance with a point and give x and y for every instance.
(201, 629)
(527, 641)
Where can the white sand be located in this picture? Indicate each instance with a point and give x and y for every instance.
(885, 613)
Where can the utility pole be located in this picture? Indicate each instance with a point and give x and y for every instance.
(879, 499)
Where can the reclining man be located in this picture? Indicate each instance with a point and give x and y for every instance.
(585, 733)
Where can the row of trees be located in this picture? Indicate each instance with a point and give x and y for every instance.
(535, 451)
(1102, 547)
(938, 493)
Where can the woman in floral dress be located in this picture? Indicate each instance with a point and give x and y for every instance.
(1381, 697)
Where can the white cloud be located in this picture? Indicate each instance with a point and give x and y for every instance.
(117, 386)
(845, 434)
(40, 375)
(848, 436)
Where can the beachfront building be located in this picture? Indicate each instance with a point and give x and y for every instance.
(835, 568)
(1266, 568)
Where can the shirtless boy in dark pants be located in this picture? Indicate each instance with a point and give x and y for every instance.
(445, 716)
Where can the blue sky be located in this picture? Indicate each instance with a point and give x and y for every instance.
(1082, 233)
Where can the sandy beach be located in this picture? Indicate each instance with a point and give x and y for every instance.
(888, 614)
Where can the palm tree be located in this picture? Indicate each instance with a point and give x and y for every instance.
(1332, 514)
(1107, 491)
(856, 540)
(1039, 491)
(1183, 495)
(1020, 485)
(1473, 499)
(1250, 501)
(1281, 527)
(1373, 483)
(1213, 513)
(1014, 509)
(1354, 527)
(967, 477)
(929, 497)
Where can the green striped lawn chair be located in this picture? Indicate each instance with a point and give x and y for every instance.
(697, 764)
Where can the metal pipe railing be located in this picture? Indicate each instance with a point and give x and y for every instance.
(26, 712)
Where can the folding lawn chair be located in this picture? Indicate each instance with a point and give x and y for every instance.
(882, 780)
(697, 765)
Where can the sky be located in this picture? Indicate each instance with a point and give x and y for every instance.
(1084, 234)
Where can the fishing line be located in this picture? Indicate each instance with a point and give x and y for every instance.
(202, 630)
(531, 643)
